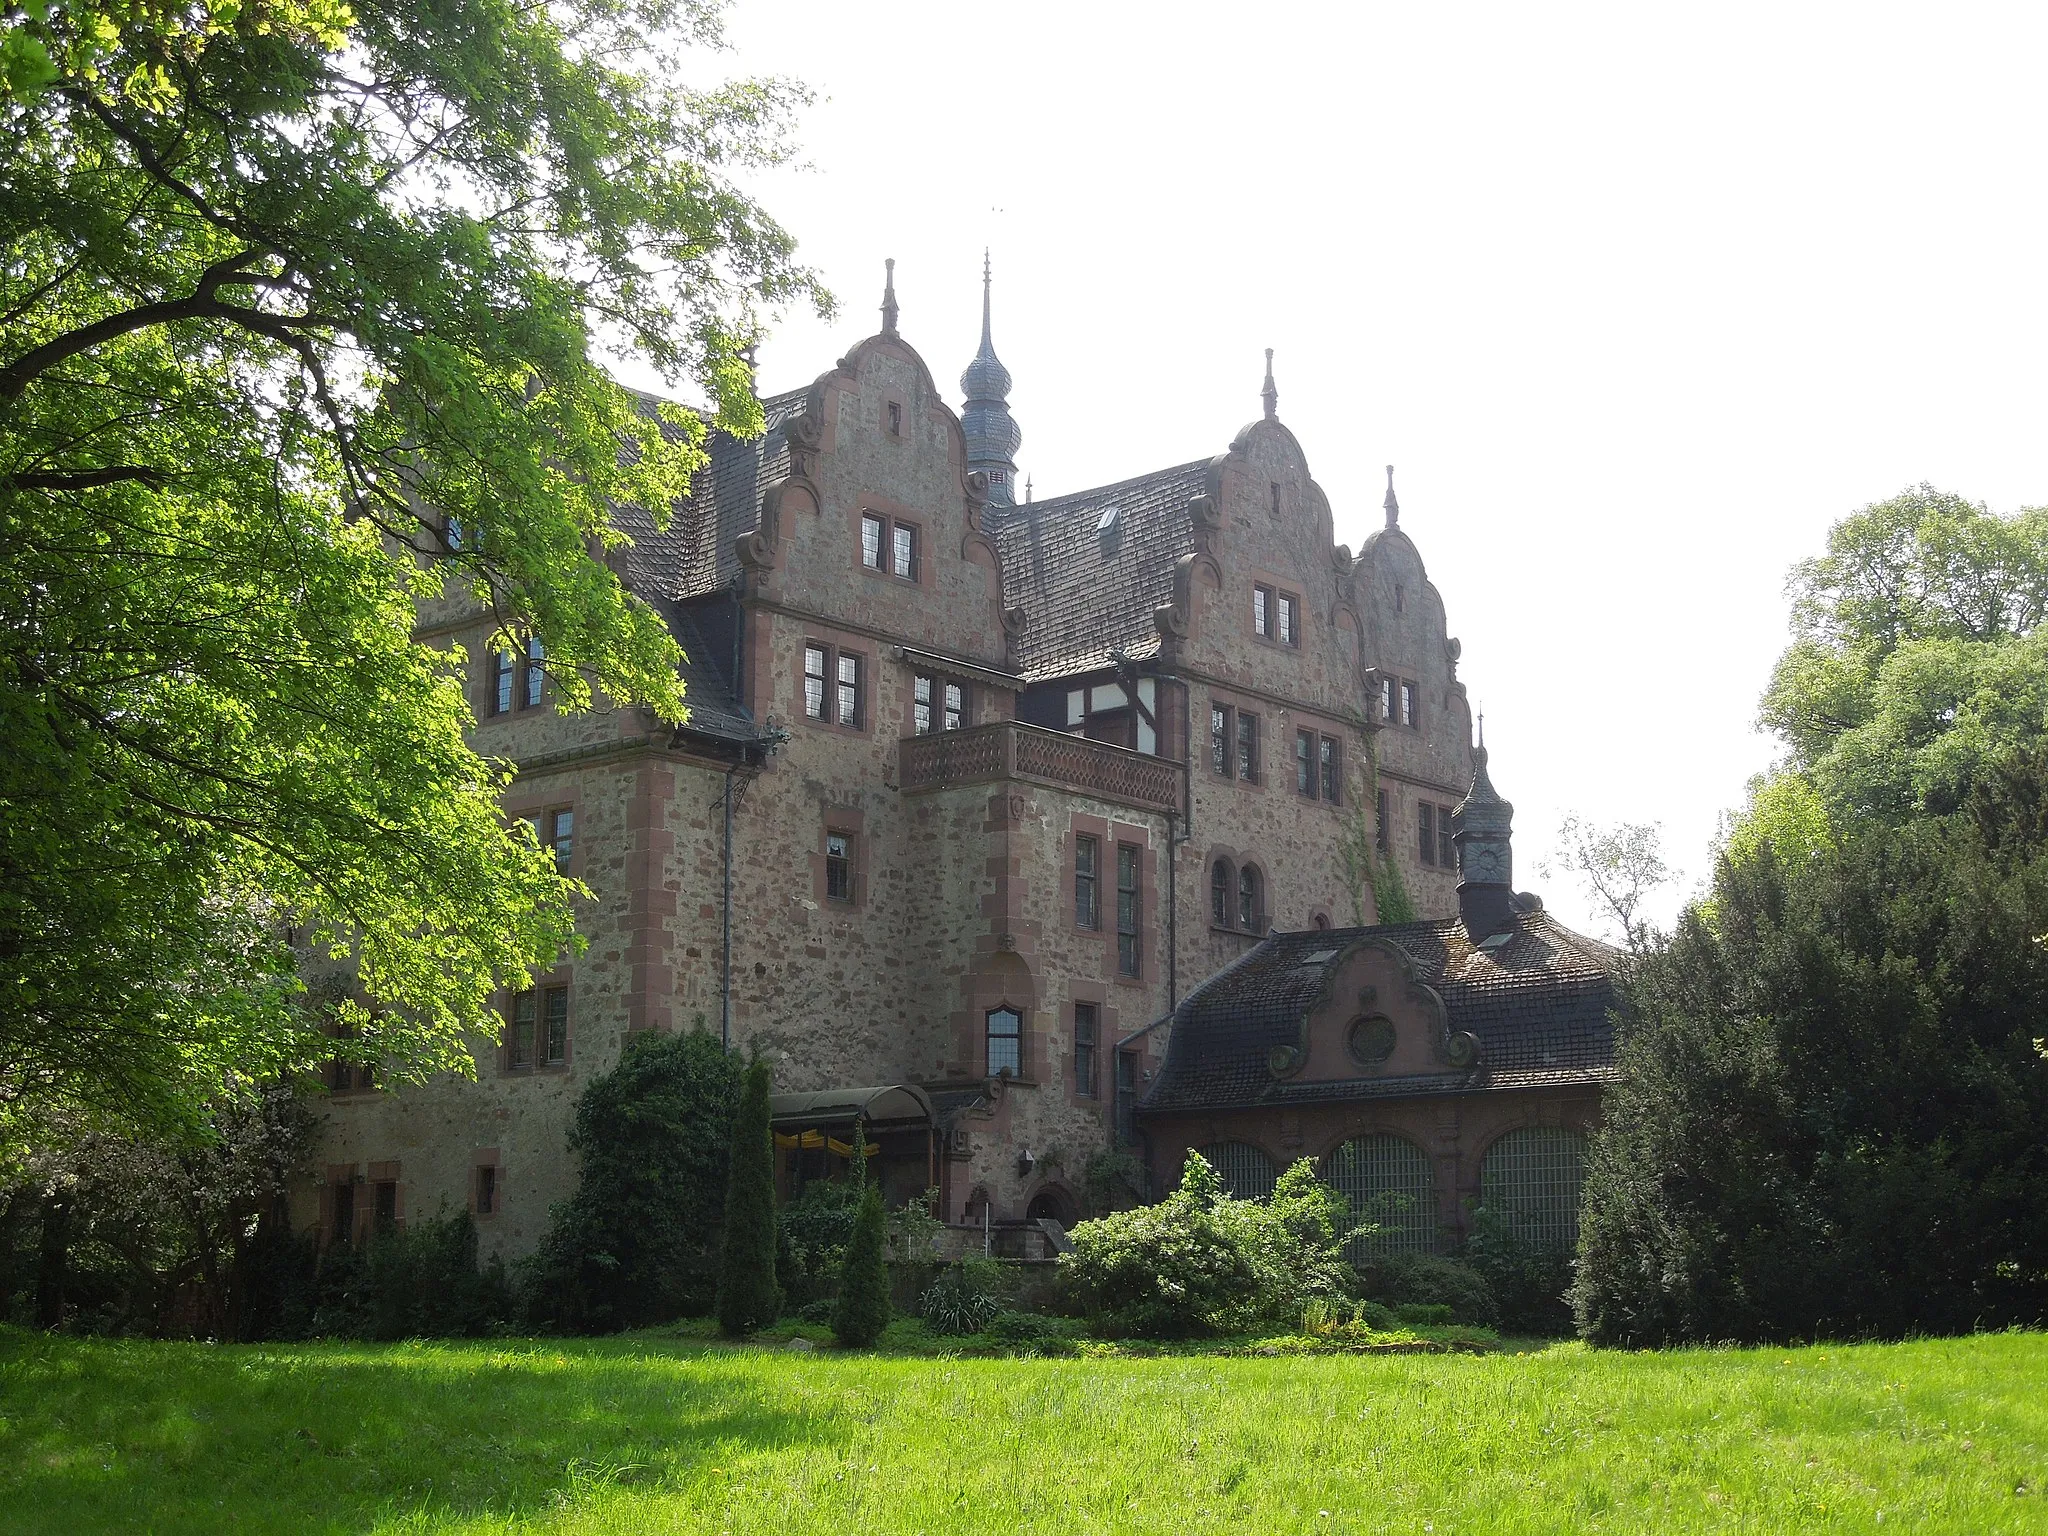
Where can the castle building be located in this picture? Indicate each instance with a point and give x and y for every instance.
(1018, 832)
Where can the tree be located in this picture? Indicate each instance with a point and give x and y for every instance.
(748, 1296)
(303, 307)
(1829, 1118)
(863, 1309)
(1918, 655)
(1619, 867)
(637, 1242)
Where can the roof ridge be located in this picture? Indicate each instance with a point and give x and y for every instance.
(1090, 492)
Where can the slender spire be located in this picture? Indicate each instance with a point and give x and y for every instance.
(992, 435)
(1393, 502)
(889, 298)
(1270, 393)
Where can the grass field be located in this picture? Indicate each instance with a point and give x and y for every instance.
(644, 1434)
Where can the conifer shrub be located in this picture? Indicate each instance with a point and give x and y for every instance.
(1430, 1280)
(748, 1296)
(637, 1243)
(863, 1310)
(1832, 1101)
(811, 1235)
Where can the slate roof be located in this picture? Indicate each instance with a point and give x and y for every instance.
(693, 555)
(1080, 604)
(1538, 1003)
(707, 691)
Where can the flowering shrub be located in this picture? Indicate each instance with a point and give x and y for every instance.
(1200, 1262)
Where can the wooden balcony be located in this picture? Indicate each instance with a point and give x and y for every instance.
(1009, 749)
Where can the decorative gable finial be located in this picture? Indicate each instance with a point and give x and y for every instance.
(889, 298)
(1392, 503)
(1270, 393)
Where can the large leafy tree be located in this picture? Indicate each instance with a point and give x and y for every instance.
(301, 319)
(1919, 657)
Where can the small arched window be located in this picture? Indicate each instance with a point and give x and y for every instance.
(1219, 893)
(1321, 923)
(1248, 898)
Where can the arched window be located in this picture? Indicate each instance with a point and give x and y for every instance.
(1246, 1171)
(1005, 1042)
(1320, 922)
(1219, 892)
(1389, 1183)
(1531, 1179)
(1248, 898)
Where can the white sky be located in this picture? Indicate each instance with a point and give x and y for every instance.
(1638, 299)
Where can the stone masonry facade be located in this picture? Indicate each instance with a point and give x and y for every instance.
(1062, 759)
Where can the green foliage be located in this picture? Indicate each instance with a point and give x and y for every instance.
(1428, 1280)
(1199, 1262)
(748, 1295)
(1528, 1282)
(419, 1281)
(811, 1236)
(167, 1233)
(1112, 1177)
(863, 1310)
(1918, 659)
(964, 1297)
(284, 282)
(637, 1242)
(1830, 1115)
(1390, 898)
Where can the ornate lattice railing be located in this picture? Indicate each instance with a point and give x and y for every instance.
(1008, 749)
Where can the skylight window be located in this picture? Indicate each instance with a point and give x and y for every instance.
(1109, 532)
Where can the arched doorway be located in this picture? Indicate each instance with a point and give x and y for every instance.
(1053, 1204)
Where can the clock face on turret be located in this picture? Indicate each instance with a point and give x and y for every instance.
(1485, 863)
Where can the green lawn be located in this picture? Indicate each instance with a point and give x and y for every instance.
(645, 1434)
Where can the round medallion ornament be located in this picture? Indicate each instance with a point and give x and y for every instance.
(1371, 1040)
(1283, 1059)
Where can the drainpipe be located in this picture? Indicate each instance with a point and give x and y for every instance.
(1172, 912)
(725, 938)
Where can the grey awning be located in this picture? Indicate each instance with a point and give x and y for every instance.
(890, 1102)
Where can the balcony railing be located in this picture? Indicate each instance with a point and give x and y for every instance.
(1009, 749)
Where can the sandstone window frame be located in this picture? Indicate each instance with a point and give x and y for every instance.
(842, 866)
(1251, 898)
(536, 1036)
(1222, 891)
(1003, 1032)
(1305, 780)
(486, 1184)
(936, 697)
(1262, 610)
(1087, 1034)
(1331, 763)
(533, 682)
(838, 701)
(1130, 910)
(1425, 825)
(1246, 756)
(554, 828)
(892, 545)
(1087, 881)
(517, 683)
(1222, 738)
(1446, 850)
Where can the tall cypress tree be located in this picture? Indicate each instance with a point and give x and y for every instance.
(748, 1297)
(863, 1310)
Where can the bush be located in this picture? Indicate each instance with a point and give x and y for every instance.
(1530, 1284)
(811, 1234)
(964, 1297)
(748, 1295)
(1424, 1314)
(420, 1281)
(1422, 1279)
(863, 1310)
(1026, 1331)
(1202, 1263)
(637, 1242)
